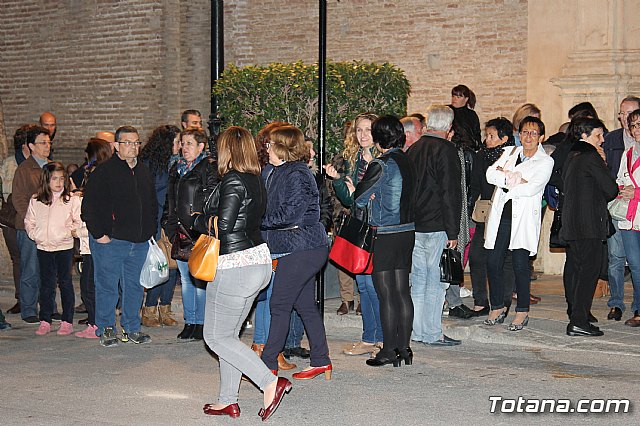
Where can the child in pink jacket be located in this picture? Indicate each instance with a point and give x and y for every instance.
(52, 219)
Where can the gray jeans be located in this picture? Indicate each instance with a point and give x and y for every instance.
(229, 300)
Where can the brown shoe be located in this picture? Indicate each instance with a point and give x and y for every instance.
(283, 364)
(166, 316)
(150, 316)
(635, 321)
(257, 348)
(343, 309)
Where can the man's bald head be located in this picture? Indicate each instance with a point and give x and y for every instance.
(48, 121)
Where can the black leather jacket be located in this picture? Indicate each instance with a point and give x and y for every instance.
(239, 202)
(186, 195)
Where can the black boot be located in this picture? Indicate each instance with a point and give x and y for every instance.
(187, 332)
(197, 332)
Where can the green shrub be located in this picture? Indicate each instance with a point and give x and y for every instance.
(253, 96)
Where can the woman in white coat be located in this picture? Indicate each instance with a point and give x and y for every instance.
(514, 222)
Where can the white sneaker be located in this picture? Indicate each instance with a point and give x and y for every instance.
(465, 292)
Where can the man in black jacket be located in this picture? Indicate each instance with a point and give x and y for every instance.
(119, 208)
(437, 218)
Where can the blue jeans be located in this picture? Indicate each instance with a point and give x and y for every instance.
(163, 292)
(229, 300)
(370, 305)
(118, 262)
(263, 317)
(427, 292)
(631, 240)
(29, 275)
(617, 258)
(194, 298)
(296, 331)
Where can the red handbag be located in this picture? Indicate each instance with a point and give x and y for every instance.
(352, 247)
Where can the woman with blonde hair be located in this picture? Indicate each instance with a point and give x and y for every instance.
(359, 151)
(244, 268)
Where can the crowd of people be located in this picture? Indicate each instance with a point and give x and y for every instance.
(424, 182)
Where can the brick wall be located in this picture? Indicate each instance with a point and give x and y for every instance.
(101, 64)
(439, 44)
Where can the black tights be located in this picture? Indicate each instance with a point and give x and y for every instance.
(396, 309)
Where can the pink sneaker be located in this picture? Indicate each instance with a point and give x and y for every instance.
(88, 333)
(43, 329)
(65, 328)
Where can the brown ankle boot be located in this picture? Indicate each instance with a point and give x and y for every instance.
(150, 316)
(257, 348)
(283, 364)
(166, 316)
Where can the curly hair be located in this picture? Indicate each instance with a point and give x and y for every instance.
(158, 149)
(351, 145)
(263, 137)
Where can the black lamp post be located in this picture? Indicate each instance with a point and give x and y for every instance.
(322, 98)
(217, 63)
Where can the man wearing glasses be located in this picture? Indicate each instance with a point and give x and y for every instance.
(25, 184)
(615, 144)
(119, 208)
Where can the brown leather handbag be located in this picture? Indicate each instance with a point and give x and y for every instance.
(203, 262)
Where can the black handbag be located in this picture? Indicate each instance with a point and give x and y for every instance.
(352, 247)
(451, 270)
(7, 212)
(555, 241)
(182, 244)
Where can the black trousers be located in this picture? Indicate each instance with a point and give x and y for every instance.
(495, 268)
(88, 288)
(11, 240)
(581, 269)
(478, 269)
(294, 287)
(56, 265)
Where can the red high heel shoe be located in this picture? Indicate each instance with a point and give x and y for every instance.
(313, 372)
(283, 386)
(232, 410)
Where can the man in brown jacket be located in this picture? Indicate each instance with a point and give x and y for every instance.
(25, 184)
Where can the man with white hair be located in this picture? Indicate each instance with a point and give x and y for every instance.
(412, 130)
(437, 218)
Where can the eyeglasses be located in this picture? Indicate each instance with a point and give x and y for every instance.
(129, 143)
(634, 126)
(188, 143)
(624, 113)
(527, 133)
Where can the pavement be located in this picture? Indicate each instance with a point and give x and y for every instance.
(51, 380)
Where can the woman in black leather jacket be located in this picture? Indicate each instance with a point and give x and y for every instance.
(244, 268)
(188, 179)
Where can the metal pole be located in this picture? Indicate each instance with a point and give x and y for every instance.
(322, 97)
(217, 63)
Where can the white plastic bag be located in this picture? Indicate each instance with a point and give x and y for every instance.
(155, 270)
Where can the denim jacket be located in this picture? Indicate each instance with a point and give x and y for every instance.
(391, 178)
